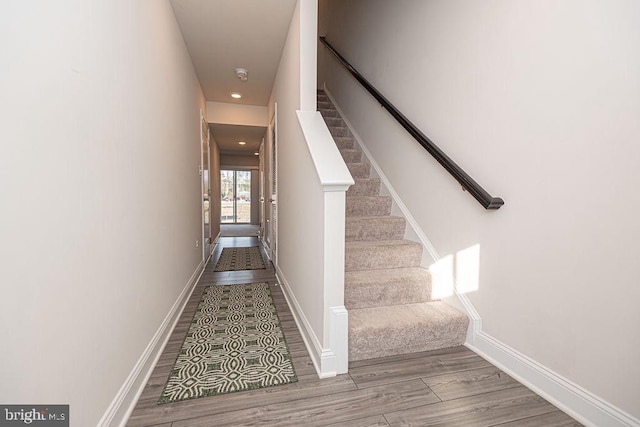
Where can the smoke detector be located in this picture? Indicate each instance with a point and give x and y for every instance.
(242, 74)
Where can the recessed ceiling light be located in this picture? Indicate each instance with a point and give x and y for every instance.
(256, 154)
(241, 142)
(236, 95)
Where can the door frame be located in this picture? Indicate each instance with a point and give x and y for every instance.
(205, 149)
(262, 208)
(272, 225)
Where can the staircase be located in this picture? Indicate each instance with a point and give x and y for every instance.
(387, 293)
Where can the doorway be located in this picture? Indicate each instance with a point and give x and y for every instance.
(235, 196)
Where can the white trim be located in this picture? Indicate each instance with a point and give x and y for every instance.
(203, 242)
(324, 360)
(240, 168)
(584, 406)
(336, 327)
(124, 402)
(334, 188)
(339, 337)
(579, 403)
(266, 251)
(215, 241)
(330, 166)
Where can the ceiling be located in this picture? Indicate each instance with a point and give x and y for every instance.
(222, 35)
(227, 137)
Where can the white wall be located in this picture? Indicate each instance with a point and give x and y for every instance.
(236, 114)
(239, 160)
(100, 193)
(539, 102)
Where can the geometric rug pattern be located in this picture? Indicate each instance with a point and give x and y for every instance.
(233, 259)
(234, 343)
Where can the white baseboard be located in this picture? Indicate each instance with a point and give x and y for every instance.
(584, 406)
(324, 360)
(566, 395)
(125, 400)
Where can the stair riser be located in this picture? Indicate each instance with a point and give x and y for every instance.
(360, 347)
(325, 105)
(328, 113)
(381, 294)
(351, 156)
(400, 329)
(335, 121)
(368, 206)
(359, 170)
(382, 257)
(369, 229)
(340, 131)
(365, 187)
(345, 143)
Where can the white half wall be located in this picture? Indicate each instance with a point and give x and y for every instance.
(312, 181)
(538, 101)
(100, 189)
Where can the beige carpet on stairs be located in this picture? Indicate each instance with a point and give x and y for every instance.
(387, 292)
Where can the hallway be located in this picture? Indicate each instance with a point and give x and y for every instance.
(446, 387)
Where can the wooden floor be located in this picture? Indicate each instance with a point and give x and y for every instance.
(452, 387)
(238, 230)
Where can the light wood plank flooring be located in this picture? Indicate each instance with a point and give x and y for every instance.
(452, 387)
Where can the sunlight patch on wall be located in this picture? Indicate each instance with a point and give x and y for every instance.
(461, 271)
(468, 269)
(442, 277)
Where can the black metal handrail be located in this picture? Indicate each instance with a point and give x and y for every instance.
(468, 183)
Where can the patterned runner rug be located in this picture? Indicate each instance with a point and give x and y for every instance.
(234, 343)
(233, 259)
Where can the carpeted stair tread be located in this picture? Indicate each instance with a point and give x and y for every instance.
(381, 254)
(368, 205)
(408, 328)
(374, 228)
(351, 155)
(374, 288)
(359, 170)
